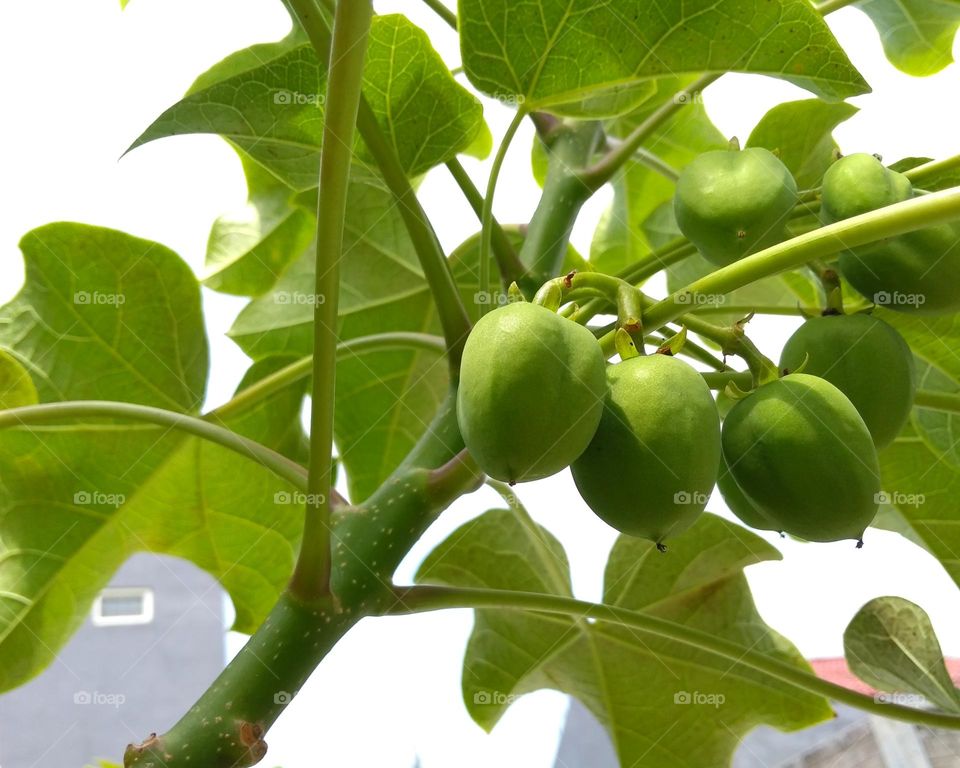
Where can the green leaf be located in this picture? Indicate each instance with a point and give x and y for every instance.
(891, 645)
(384, 399)
(274, 111)
(16, 386)
(802, 132)
(637, 191)
(917, 35)
(248, 250)
(889, 518)
(79, 498)
(247, 59)
(920, 470)
(665, 705)
(104, 315)
(583, 58)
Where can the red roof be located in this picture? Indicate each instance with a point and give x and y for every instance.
(837, 671)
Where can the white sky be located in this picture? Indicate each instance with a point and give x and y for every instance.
(80, 82)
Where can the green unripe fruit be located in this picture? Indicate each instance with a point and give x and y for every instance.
(858, 184)
(730, 203)
(867, 360)
(739, 504)
(799, 451)
(917, 272)
(651, 465)
(532, 386)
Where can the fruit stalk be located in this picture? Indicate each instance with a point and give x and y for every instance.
(511, 270)
(625, 297)
(486, 214)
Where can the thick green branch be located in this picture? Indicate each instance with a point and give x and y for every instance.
(351, 26)
(935, 208)
(545, 247)
(418, 599)
(225, 728)
(84, 409)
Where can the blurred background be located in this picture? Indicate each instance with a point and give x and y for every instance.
(80, 81)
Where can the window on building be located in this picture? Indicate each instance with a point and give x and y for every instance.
(116, 606)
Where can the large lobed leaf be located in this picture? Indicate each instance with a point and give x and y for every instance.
(124, 311)
(664, 705)
(248, 250)
(581, 57)
(77, 499)
(384, 400)
(270, 104)
(920, 470)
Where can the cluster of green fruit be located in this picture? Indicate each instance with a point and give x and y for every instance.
(643, 437)
(731, 203)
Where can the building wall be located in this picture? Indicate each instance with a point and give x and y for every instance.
(112, 685)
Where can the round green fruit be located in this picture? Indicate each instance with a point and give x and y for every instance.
(866, 359)
(858, 184)
(653, 461)
(739, 504)
(800, 452)
(532, 386)
(917, 272)
(733, 202)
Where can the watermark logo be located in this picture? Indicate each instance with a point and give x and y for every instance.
(698, 698)
(282, 697)
(98, 299)
(288, 98)
(494, 698)
(686, 498)
(898, 499)
(493, 298)
(898, 299)
(98, 699)
(901, 699)
(687, 97)
(688, 298)
(298, 298)
(511, 99)
(86, 498)
(299, 498)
